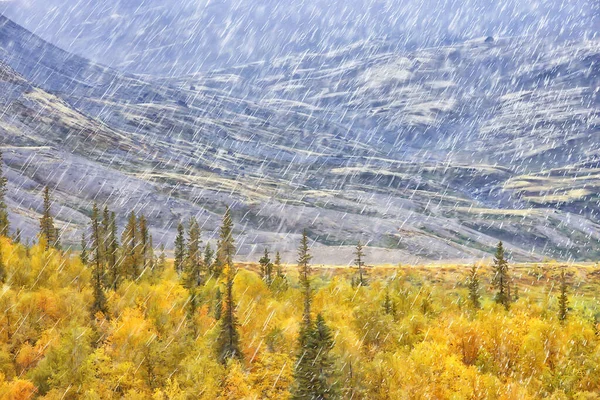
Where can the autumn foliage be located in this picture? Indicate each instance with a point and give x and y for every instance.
(411, 333)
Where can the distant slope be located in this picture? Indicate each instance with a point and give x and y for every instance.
(426, 155)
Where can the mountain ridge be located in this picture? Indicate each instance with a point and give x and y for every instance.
(365, 148)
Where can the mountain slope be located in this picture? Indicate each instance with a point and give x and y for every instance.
(423, 154)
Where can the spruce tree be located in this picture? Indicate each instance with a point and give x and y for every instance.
(131, 247)
(228, 342)
(278, 266)
(359, 253)
(99, 304)
(388, 304)
(180, 249)
(473, 285)
(162, 259)
(48, 233)
(194, 259)
(225, 246)
(304, 272)
(266, 268)
(314, 375)
(218, 304)
(17, 236)
(83, 256)
(208, 259)
(113, 252)
(501, 280)
(563, 300)
(145, 245)
(4, 224)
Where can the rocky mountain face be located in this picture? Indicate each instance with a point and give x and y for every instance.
(435, 153)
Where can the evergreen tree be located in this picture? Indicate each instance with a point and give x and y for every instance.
(563, 300)
(48, 233)
(304, 271)
(4, 224)
(388, 304)
(501, 280)
(83, 256)
(17, 236)
(99, 304)
(180, 249)
(145, 243)
(278, 266)
(359, 253)
(208, 258)
(315, 371)
(194, 259)
(162, 259)
(225, 246)
(266, 268)
(228, 342)
(131, 247)
(105, 231)
(218, 304)
(473, 285)
(112, 256)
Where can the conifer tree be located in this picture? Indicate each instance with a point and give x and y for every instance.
(266, 268)
(473, 285)
(180, 249)
(17, 236)
(145, 244)
(315, 371)
(228, 342)
(501, 280)
(162, 259)
(208, 259)
(194, 259)
(218, 304)
(131, 247)
(48, 233)
(99, 304)
(304, 271)
(278, 266)
(563, 300)
(105, 233)
(113, 252)
(83, 256)
(359, 253)
(388, 305)
(4, 224)
(225, 246)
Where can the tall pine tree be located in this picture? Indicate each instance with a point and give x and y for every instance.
(180, 249)
(563, 300)
(473, 285)
(130, 240)
(113, 252)
(4, 224)
(48, 233)
(266, 268)
(304, 272)
(99, 304)
(225, 246)
(83, 256)
(501, 280)
(314, 376)
(359, 261)
(228, 342)
(194, 256)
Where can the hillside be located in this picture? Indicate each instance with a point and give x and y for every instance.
(434, 153)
